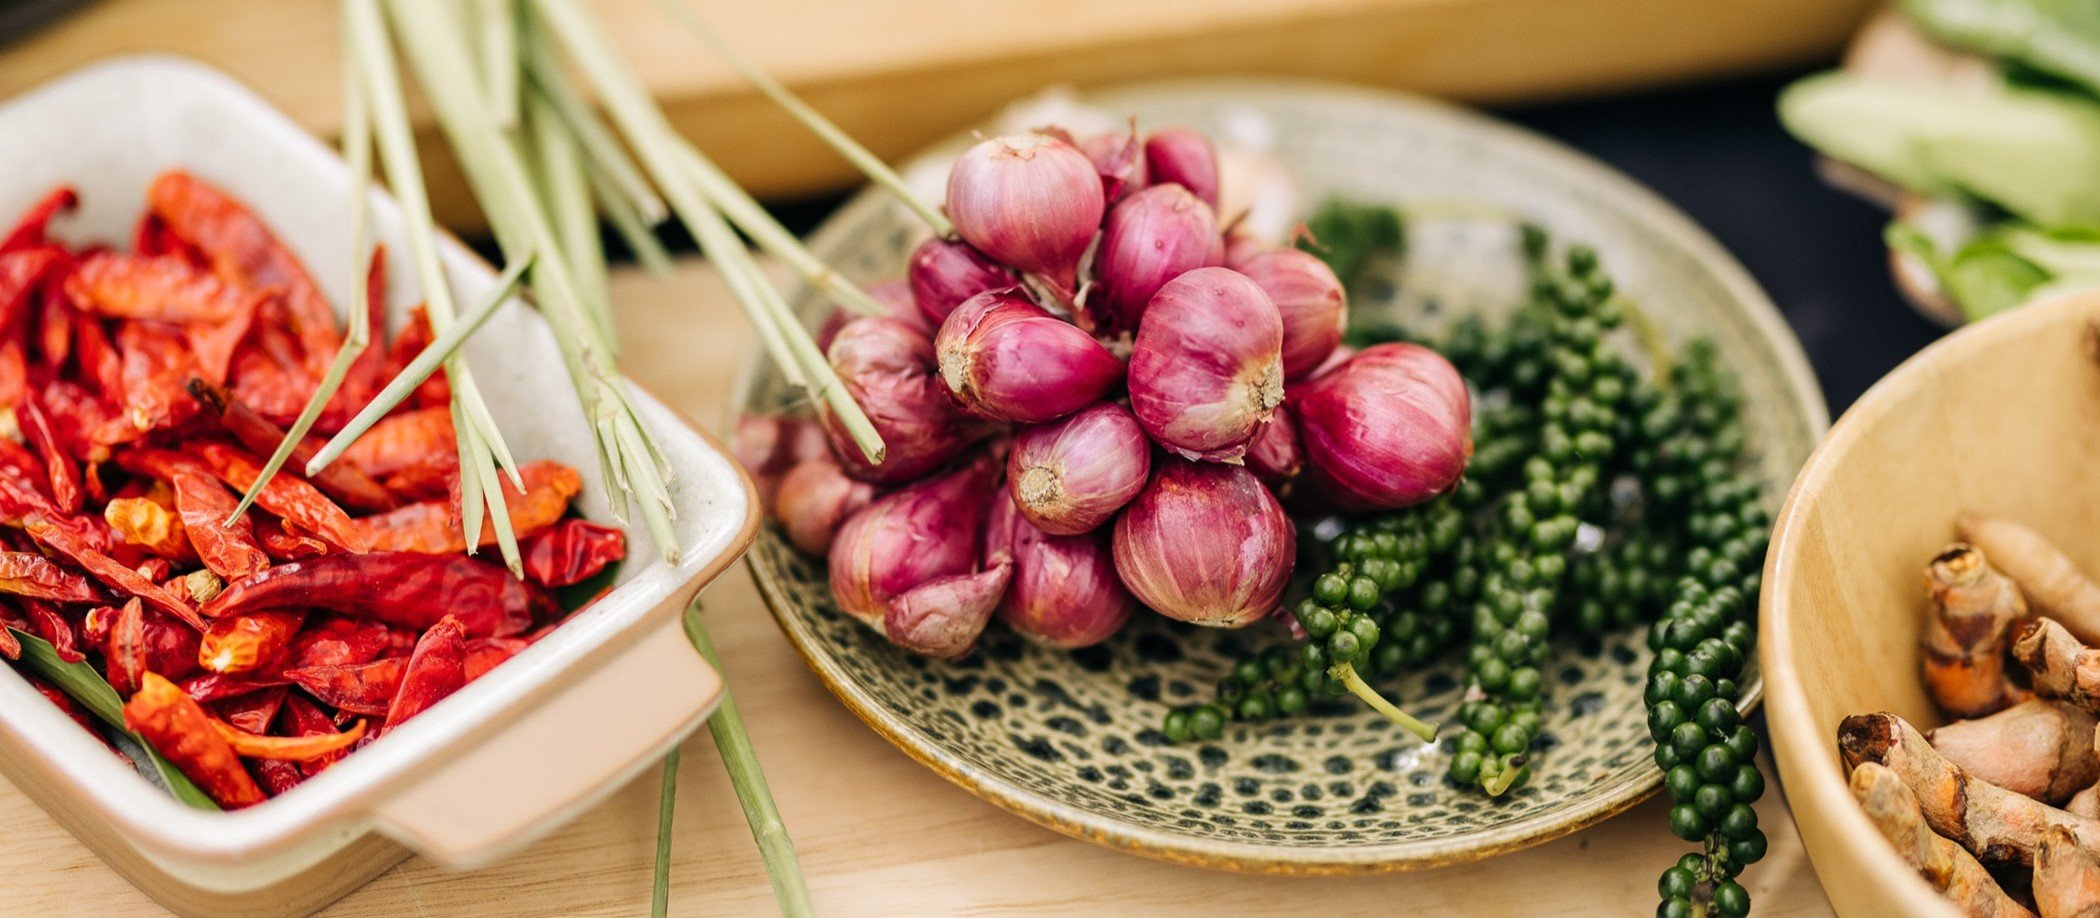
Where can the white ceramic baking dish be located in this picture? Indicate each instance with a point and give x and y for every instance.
(517, 752)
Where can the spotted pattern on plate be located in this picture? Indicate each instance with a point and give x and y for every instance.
(1070, 739)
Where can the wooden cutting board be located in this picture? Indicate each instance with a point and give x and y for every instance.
(898, 74)
(879, 834)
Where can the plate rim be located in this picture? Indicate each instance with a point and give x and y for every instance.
(1641, 781)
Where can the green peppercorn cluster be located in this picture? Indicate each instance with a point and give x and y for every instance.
(1583, 385)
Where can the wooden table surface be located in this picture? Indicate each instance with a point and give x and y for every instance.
(879, 834)
(899, 74)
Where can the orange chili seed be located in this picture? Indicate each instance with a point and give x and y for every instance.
(177, 727)
(239, 643)
(288, 748)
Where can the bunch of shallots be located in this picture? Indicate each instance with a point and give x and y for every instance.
(1095, 399)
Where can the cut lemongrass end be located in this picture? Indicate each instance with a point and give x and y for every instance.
(1361, 689)
(419, 369)
(861, 157)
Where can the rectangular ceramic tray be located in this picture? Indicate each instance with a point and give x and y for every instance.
(510, 756)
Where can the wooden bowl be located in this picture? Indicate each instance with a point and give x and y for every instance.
(2002, 417)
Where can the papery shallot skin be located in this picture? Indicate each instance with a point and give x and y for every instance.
(1151, 237)
(1065, 592)
(1120, 158)
(1276, 456)
(1206, 543)
(1072, 475)
(1030, 201)
(888, 367)
(1184, 157)
(1310, 300)
(945, 272)
(925, 531)
(815, 498)
(1206, 369)
(1390, 428)
(1004, 358)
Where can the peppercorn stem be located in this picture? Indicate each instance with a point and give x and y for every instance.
(861, 157)
(1361, 689)
(727, 727)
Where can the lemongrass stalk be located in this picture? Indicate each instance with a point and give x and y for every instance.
(658, 146)
(666, 809)
(544, 69)
(499, 57)
(620, 212)
(357, 152)
(496, 169)
(397, 149)
(404, 383)
(491, 491)
(473, 494)
(870, 165)
(744, 281)
(751, 217)
(775, 848)
(567, 198)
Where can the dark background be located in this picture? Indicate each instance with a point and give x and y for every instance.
(1717, 151)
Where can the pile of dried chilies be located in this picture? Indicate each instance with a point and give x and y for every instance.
(142, 391)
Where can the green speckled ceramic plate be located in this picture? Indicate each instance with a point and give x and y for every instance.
(1069, 740)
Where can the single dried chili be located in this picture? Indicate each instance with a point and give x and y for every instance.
(341, 481)
(156, 364)
(118, 577)
(484, 654)
(286, 495)
(304, 748)
(30, 230)
(403, 440)
(435, 670)
(47, 622)
(405, 589)
(282, 544)
(31, 574)
(573, 551)
(206, 687)
(240, 643)
(252, 712)
(145, 523)
(359, 688)
(433, 527)
(340, 640)
(63, 474)
(228, 548)
(241, 248)
(176, 726)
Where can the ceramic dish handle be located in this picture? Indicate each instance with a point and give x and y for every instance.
(506, 789)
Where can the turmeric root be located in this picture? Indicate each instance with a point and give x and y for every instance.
(2054, 586)
(1951, 870)
(2059, 665)
(2066, 877)
(1973, 607)
(1995, 824)
(2039, 749)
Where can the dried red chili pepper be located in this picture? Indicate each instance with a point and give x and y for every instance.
(367, 374)
(278, 777)
(161, 288)
(176, 726)
(435, 670)
(359, 688)
(157, 570)
(304, 718)
(30, 230)
(274, 388)
(120, 578)
(87, 424)
(207, 687)
(63, 474)
(145, 523)
(435, 392)
(282, 544)
(571, 552)
(286, 495)
(16, 458)
(14, 372)
(340, 641)
(338, 480)
(229, 550)
(98, 358)
(10, 622)
(241, 248)
(304, 748)
(484, 654)
(433, 528)
(127, 648)
(252, 712)
(21, 273)
(55, 321)
(403, 440)
(33, 575)
(240, 643)
(404, 589)
(152, 237)
(47, 622)
(156, 364)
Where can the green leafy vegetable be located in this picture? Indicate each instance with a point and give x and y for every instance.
(2035, 154)
(81, 683)
(2057, 37)
(2004, 266)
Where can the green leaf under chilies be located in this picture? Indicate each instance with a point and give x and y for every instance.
(83, 684)
(2057, 37)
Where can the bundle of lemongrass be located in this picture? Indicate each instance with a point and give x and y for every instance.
(545, 168)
